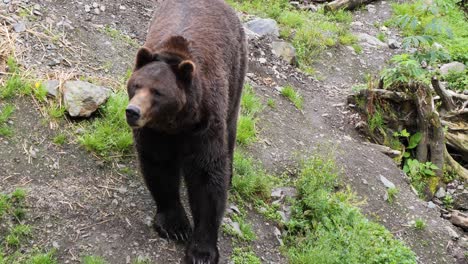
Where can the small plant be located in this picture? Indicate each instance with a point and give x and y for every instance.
(246, 233)
(93, 260)
(392, 193)
(5, 114)
(110, 134)
(271, 103)
(419, 173)
(246, 125)
(250, 181)
(448, 201)
(250, 103)
(419, 224)
(289, 92)
(244, 256)
(457, 81)
(406, 70)
(381, 36)
(60, 139)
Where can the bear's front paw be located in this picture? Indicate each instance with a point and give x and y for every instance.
(173, 224)
(200, 253)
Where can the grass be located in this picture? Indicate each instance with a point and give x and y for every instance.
(443, 20)
(250, 107)
(310, 33)
(93, 260)
(246, 232)
(244, 256)
(250, 181)
(327, 227)
(419, 224)
(59, 139)
(289, 92)
(118, 35)
(109, 135)
(14, 245)
(271, 103)
(392, 194)
(5, 114)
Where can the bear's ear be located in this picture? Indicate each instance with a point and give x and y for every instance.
(144, 56)
(185, 70)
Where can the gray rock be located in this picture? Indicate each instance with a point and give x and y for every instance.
(52, 87)
(453, 234)
(454, 66)
(460, 201)
(281, 192)
(370, 40)
(83, 98)
(19, 27)
(250, 34)
(263, 26)
(277, 234)
(440, 193)
(357, 24)
(386, 182)
(97, 11)
(431, 205)
(393, 44)
(87, 8)
(284, 50)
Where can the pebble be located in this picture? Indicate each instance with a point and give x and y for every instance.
(95, 5)
(103, 8)
(431, 205)
(122, 7)
(386, 182)
(87, 8)
(97, 11)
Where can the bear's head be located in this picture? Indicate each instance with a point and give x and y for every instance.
(158, 88)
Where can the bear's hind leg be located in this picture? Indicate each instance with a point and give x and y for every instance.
(163, 181)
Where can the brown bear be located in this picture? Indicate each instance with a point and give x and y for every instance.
(184, 101)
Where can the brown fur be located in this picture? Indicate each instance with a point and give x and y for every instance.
(184, 102)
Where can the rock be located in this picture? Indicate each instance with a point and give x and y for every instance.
(311, 8)
(19, 27)
(459, 219)
(97, 11)
(454, 66)
(95, 5)
(277, 234)
(440, 193)
(393, 44)
(250, 34)
(83, 98)
(262, 60)
(357, 24)
(281, 192)
(453, 234)
(55, 245)
(103, 8)
(460, 201)
(386, 182)
(263, 27)
(284, 50)
(87, 8)
(52, 87)
(371, 40)
(431, 205)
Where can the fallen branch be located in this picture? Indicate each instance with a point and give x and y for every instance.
(345, 4)
(447, 101)
(392, 153)
(455, 166)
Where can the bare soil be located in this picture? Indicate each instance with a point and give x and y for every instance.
(82, 205)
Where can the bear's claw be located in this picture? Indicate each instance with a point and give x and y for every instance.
(173, 225)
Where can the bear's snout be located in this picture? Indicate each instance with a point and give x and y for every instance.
(133, 114)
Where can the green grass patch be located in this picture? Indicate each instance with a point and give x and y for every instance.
(289, 92)
(60, 139)
(310, 32)
(244, 255)
(93, 260)
(118, 35)
(246, 232)
(109, 134)
(15, 235)
(250, 107)
(327, 227)
(5, 114)
(250, 181)
(441, 19)
(271, 103)
(392, 194)
(419, 224)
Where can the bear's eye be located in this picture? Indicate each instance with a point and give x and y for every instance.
(156, 92)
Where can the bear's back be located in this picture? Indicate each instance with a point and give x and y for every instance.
(211, 26)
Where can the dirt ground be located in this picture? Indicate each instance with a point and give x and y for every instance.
(84, 206)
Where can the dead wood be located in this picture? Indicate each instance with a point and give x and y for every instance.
(446, 98)
(345, 4)
(392, 153)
